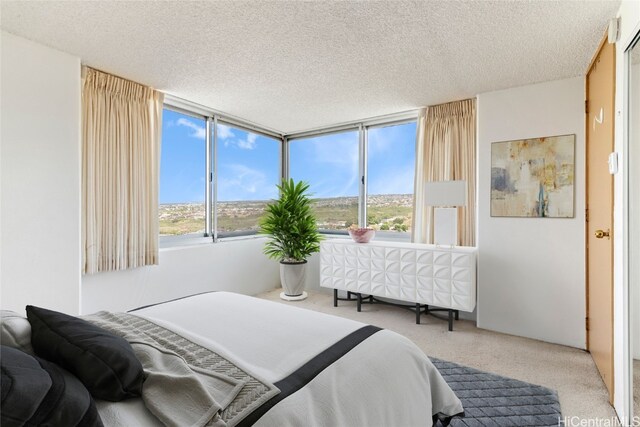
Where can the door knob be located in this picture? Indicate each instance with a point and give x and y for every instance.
(601, 233)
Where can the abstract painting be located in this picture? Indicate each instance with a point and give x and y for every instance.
(533, 177)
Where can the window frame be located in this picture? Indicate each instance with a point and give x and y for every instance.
(178, 240)
(384, 235)
(219, 120)
(212, 118)
(363, 128)
(321, 133)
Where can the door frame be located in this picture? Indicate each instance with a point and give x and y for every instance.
(586, 224)
(627, 305)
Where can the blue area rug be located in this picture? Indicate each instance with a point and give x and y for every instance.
(492, 400)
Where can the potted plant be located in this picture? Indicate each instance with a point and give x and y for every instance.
(293, 236)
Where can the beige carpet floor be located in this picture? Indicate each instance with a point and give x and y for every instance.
(569, 371)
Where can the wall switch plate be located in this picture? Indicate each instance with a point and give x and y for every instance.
(613, 163)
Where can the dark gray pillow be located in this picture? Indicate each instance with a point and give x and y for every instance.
(15, 331)
(105, 363)
(37, 392)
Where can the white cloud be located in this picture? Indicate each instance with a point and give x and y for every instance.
(339, 149)
(249, 143)
(379, 143)
(197, 131)
(240, 182)
(331, 164)
(341, 154)
(382, 140)
(224, 132)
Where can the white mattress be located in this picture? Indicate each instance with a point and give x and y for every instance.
(384, 381)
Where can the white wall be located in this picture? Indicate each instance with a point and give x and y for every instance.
(40, 167)
(40, 181)
(634, 206)
(629, 14)
(531, 271)
(234, 265)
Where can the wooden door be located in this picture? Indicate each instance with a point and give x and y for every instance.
(600, 88)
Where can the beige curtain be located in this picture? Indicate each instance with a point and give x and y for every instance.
(121, 124)
(446, 150)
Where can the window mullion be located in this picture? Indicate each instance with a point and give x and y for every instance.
(362, 167)
(284, 159)
(207, 174)
(214, 179)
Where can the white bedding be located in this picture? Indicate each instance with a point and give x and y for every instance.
(384, 381)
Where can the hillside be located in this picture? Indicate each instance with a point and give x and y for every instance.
(384, 212)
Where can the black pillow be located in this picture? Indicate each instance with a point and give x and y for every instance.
(105, 363)
(36, 392)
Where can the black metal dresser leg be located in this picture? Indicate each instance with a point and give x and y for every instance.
(418, 308)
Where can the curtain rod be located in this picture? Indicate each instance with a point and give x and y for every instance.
(83, 74)
(453, 102)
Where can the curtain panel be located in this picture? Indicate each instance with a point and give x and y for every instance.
(446, 150)
(121, 125)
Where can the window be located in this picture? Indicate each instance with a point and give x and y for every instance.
(248, 170)
(214, 183)
(329, 163)
(182, 174)
(217, 174)
(333, 165)
(391, 156)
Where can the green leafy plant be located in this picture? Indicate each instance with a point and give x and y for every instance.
(290, 224)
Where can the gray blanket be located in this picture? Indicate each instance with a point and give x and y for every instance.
(186, 384)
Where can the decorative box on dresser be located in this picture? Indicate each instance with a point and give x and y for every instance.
(425, 275)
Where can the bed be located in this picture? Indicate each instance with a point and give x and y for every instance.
(268, 364)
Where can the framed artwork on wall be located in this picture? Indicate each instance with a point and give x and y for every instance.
(533, 177)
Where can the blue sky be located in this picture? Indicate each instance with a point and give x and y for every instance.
(330, 162)
(248, 164)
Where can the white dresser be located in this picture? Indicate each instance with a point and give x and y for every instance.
(417, 273)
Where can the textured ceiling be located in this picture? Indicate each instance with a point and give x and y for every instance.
(299, 65)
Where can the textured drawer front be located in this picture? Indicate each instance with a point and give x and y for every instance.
(414, 273)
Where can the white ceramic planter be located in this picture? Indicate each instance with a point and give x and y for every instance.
(292, 277)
